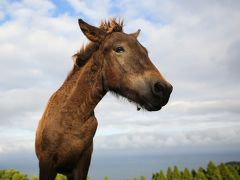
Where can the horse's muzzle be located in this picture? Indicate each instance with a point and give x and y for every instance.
(161, 92)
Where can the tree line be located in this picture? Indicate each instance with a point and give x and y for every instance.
(223, 171)
(228, 171)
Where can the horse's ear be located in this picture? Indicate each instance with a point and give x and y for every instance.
(92, 33)
(136, 33)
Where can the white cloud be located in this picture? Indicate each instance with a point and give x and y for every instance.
(208, 138)
(15, 140)
(96, 10)
(27, 9)
(22, 108)
(187, 125)
(37, 50)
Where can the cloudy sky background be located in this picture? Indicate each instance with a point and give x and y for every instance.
(195, 44)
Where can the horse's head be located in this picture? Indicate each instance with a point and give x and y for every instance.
(127, 69)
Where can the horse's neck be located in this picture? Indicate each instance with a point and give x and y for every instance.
(85, 91)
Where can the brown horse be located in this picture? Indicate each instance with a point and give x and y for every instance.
(112, 61)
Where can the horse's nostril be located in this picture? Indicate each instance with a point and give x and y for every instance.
(158, 89)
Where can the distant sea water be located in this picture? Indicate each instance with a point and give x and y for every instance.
(119, 166)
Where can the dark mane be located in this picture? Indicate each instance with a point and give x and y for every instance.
(81, 57)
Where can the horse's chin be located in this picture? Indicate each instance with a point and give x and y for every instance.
(153, 108)
(147, 105)
(144, 102)
(150, 107)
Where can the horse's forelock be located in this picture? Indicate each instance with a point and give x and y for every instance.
(112, 25)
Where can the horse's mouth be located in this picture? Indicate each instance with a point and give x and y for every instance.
(153, 108)
(145, 104)
(150, 105)
(153, 103)
(148, 102)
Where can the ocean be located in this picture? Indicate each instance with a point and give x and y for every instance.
(119, 166)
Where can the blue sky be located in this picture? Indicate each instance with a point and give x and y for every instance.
(194, 44)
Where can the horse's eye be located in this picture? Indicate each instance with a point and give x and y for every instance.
(119, 49)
